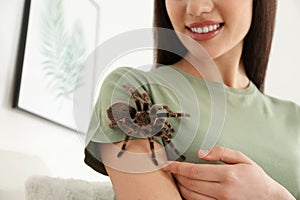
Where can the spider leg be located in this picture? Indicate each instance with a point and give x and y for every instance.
(171, 114)
(112, 124)
(165, 134)
(169, 126)
(168, 141)
(146, 98)
(135, 95)
(112, 121)
(137, 102)
(167, 108)
(152, 150)
(123, 146)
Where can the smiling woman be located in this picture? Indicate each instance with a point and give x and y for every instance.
(237, 37)
(233, 19)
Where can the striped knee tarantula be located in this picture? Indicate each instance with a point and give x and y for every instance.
(144, 121)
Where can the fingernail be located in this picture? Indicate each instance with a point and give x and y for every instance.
(203, 153)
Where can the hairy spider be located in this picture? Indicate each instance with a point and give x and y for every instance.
(144, 121)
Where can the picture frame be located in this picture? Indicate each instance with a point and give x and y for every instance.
(57, 37)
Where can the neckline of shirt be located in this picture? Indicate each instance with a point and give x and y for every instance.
(250, 89)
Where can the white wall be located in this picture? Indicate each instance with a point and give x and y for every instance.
(56, 151)
(283, 74)
(60, 149)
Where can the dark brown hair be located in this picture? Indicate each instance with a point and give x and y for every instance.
(257, 43)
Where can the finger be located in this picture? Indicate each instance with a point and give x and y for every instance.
(225, 155)
(207, 188)
(205, 172)
(187, 194)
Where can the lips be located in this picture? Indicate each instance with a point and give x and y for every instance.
(205, 30)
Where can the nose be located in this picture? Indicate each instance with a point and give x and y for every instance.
(199, 7)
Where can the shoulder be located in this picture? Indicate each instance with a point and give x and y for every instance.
(121, 72)
(119, 77)
(115, 86)
(155, 79)
(159, 74)
(154, 72)
(128, 75)
(283, 104)
(288, 110)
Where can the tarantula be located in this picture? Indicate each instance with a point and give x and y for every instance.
(145, 121)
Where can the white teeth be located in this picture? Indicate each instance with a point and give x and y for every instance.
(206, 29)
(199, 30)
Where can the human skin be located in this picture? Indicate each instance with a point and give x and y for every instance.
(239, 177)
(226, 47)
(154, 184)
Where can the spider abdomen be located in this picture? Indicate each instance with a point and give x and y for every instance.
(142, 118)
(144, 121)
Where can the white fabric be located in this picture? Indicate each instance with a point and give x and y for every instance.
(49, 188)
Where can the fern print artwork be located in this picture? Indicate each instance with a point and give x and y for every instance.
(58, 39)
(64, 51)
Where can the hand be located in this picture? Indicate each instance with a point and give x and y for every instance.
(238, 178)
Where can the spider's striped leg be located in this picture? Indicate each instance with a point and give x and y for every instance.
(146, 98)
(152, 151)
(168, 141)
(123, 146)
(167, 108)
(135, 95)
(164, 136)
(146, 101)
(171, 129)
(165, 133)
(137, 102)
(171, 114)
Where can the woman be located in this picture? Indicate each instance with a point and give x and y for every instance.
(258, 147)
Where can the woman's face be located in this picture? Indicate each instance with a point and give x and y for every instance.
(218, 25)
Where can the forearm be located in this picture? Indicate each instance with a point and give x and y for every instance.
(127, 175)
(154, 185)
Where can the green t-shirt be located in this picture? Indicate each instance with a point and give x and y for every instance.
(264, 128)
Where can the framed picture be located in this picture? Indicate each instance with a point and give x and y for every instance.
(57, 37)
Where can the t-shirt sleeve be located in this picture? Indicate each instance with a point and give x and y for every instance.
(99, 131)
(161, 88)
